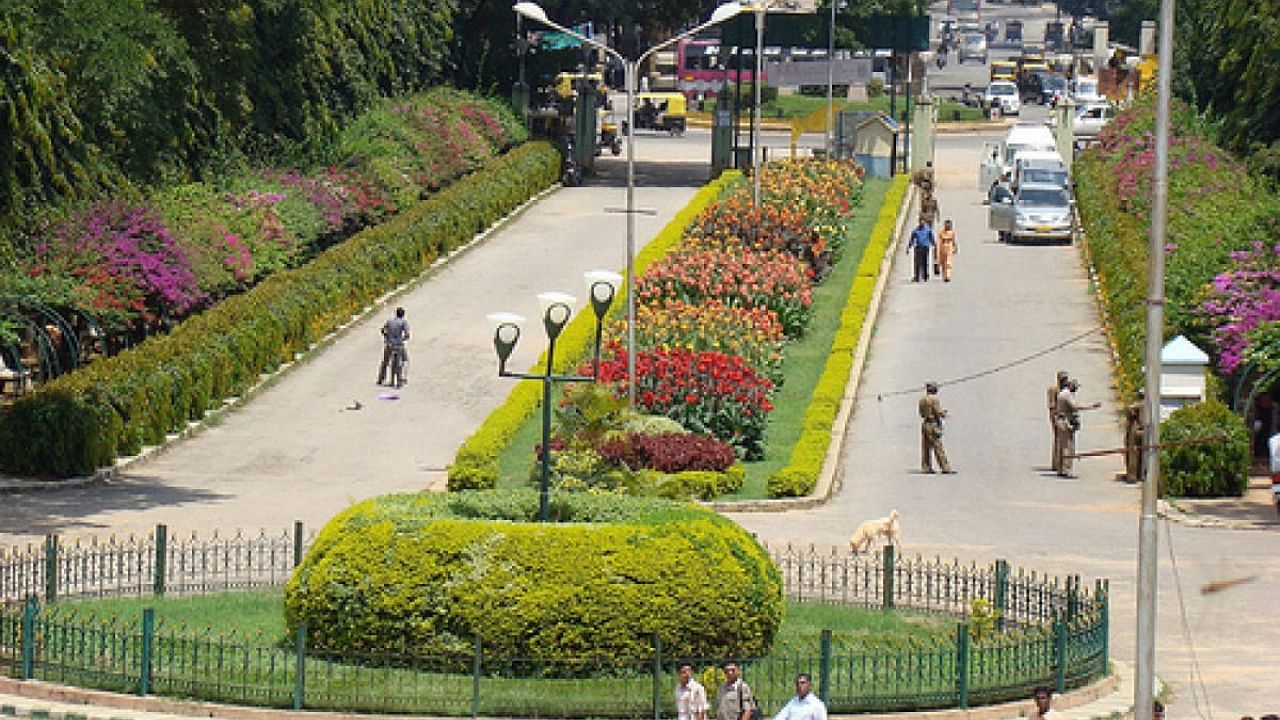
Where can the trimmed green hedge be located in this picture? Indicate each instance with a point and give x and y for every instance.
(1204, 469)
(475, 467)
(84, 420)
(432, 572)
(800, 475)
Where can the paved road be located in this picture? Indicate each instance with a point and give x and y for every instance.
(1008, 302)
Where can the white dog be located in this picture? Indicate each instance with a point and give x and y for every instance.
(867, 532)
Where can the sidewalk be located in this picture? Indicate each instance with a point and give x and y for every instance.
(1255, 510)
(1110, 698)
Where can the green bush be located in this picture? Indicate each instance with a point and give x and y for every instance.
(115, 406)
(433, 572)
(1204, 469)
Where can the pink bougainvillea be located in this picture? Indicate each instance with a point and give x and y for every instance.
(1241, 299)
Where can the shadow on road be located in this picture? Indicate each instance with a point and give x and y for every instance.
(64, 511)
(613, 173)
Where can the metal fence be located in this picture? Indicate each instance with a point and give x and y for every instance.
(1049, 631)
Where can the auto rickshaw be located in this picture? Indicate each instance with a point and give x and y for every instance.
(665, 111)
(610, 139)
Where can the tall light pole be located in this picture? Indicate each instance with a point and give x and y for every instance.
(1148, 539)
(533, 11)
(760, 8)
(831, 79)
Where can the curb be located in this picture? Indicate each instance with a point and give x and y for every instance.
(1170, 510)
(833, 464)
(109, 474)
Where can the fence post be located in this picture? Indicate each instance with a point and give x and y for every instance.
(50, 568)
(1104, 600)
(887, 600)
(1073, 596)
(29, 613)
(657, 676)
(475, 680)
(162, 552)
(1001, 593)
(1060, 654)
(962, 664)
(300, 666)
(824, 667)
(148, 643)
(297, 543)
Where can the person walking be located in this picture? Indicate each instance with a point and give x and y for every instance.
(1043, 708)
(691, 697)
(395, 332)
(929, 208)
(805, 705)
(734, 700)
(921, 242)
(1068, 423)
(1134, 432)
(946, 251)
(1058, 386)
(931, 417)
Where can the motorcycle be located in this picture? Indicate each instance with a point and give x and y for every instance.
(570, 171)
(942, 59)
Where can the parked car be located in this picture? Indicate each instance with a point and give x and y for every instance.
(1091, 118)
(1040, 167)
(973, 46)
(1051, 88)
(1084, 89)
(1002, 94)
(1013, 31)
(1035, 213)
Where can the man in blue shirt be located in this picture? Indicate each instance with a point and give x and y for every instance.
(805, 705)
(922, 242)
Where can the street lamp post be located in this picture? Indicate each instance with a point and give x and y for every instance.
(756, 150)
(533, 11)
(557, 309)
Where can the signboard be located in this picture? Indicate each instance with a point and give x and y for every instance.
(852, 71)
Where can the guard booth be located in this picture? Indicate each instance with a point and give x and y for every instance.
(1182, 375)
(873, 141)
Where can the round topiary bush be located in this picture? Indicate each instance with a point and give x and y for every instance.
(430, 573)
(1204, 469)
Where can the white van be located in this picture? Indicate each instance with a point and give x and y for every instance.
(1040, 167)
(998, 158)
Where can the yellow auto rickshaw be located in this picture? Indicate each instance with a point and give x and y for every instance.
(1004, 70)
(610, 139)
(567, 85)
(664, 111)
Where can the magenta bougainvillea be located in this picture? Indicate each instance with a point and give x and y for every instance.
(1240, 300)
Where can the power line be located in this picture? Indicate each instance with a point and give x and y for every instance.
(999, 368)
(1195, 679)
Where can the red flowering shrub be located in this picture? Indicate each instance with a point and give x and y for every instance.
(739, 278)
(668, 453)
(709, 393)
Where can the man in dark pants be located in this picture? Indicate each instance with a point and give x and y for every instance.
(922, 242)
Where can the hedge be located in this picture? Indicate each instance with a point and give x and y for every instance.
(435, 572)
(115, 406)
(475, 465)
(800, 475)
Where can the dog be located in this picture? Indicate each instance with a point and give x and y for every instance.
(867, 532)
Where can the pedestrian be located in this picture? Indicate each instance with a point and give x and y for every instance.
(394, 334)
(1058, 386)
(921, 241)
(946, 251)
(923, 178)
(805, 705)
(1042, 710)
(1068, 423)
(691, 697)
(929, 208)
(931, 417)
(1134, 433)
(734, 700)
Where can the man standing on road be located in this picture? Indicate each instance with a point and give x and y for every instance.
(394, 334)
(691, 697)
(921, 242)
(1052, 396)
(1068, 423)
(805, 705)
(931, 416)
(734, 700)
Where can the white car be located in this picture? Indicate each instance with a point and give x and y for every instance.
(1084, 89)
(1004, 94)
(973, 46)
(1035, 213)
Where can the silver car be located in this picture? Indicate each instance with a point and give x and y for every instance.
(1036, 213)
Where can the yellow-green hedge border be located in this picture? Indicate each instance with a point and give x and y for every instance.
(800, 475)
(476, 464)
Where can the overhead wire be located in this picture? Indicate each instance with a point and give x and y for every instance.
(1195, 678)
(998, 368)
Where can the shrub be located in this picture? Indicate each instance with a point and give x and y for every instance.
(702, 484)
(668, 453)
(751, 333)
(433, 572)
(1204, 469)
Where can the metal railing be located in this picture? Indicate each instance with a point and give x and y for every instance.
(1049, 631)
